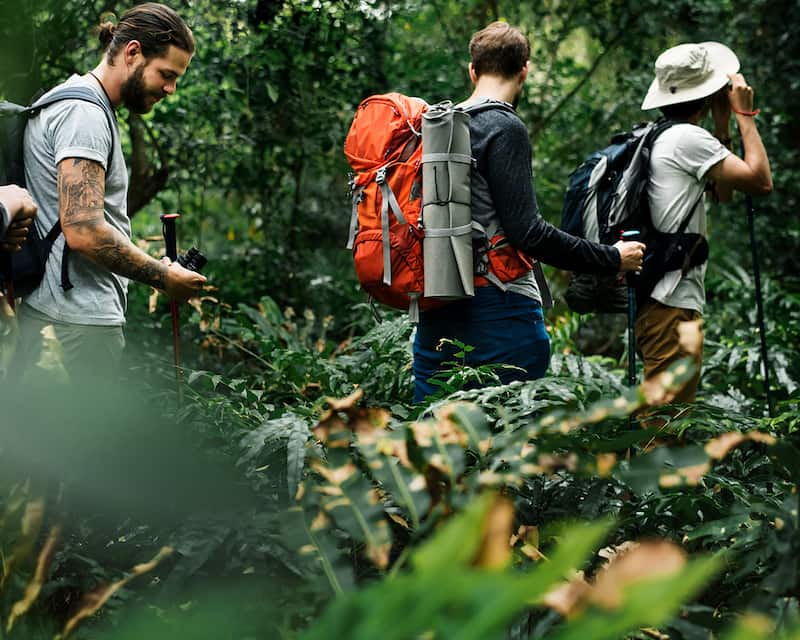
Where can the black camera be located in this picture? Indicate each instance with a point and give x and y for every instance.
(192, 260)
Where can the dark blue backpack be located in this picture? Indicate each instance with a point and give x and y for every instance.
(607, 194)
(22, 271)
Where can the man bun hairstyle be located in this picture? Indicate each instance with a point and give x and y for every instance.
(105, 30)
(155, 26)
(499, 49)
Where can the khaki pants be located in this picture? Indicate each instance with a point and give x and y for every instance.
(63, 351)
(658, 345)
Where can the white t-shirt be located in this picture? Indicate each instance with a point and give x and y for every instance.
(680, 159)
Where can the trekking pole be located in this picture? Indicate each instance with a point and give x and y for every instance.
(171, 242)
(629, 279)
(8, 292)
(759, 299)
(751, 224)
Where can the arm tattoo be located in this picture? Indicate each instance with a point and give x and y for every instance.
(81, 193)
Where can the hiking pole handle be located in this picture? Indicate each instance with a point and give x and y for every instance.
(630, 279)
(170, 234)
(168, 228)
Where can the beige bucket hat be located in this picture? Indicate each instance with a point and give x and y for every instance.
(690, 72)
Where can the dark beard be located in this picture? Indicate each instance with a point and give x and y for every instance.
(133, 93)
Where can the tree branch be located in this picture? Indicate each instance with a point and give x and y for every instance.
(542, 123)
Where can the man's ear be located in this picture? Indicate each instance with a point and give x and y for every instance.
(523, 75)
(472, 75)
(132, 51)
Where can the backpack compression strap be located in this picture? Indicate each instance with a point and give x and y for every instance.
(86, 95)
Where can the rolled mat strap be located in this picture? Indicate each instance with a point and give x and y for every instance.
(446, 157)
(447, 233)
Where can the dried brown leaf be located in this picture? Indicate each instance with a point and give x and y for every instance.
(605, 463)
(94, 600)
(30, 526)
(395, 448)
(646, 561)
(654, 633)
(21, 607)
(569, 598)
(685, 475)
(722, 445)
(379, 554)
(341, 404)
(152, 301)
(337, 475)
(495, 551)
(344, 415)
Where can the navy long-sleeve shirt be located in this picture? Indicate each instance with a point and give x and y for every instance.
(502, 150)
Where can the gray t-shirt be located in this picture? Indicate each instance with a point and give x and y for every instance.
(77, 129)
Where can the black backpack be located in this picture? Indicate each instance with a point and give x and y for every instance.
(607, 194)
(22, 271)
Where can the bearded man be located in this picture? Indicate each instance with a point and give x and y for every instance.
(76, 173)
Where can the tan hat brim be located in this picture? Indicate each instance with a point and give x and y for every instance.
(723, 62)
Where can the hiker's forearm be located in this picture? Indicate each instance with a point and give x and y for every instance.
(755, 155)
(510, 181)
(81, 191)
(111, 249)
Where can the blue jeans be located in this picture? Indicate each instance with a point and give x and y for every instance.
(503, 327)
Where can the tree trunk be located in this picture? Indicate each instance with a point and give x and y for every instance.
(146, 179)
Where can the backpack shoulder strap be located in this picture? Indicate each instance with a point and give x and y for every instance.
(486, 105)
(86, 95)
(690, 215)
(75, 93)
(658, 127)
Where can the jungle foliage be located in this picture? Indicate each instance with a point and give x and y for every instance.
(297, 492)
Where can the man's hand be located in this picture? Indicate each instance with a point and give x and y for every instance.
(630, 255)
(181, 284)
(740, 95)
(21, 209)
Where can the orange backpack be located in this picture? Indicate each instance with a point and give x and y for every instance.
(384, 149)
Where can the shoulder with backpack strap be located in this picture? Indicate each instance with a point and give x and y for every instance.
(607, 195)
(22, 271)
(411, 205)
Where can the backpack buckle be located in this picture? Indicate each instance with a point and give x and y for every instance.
(380, 176)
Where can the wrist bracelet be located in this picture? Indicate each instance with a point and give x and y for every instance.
(746, 113)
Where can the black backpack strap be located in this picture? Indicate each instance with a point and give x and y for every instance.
(486, 105)
(690, 215)
(86, 95)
